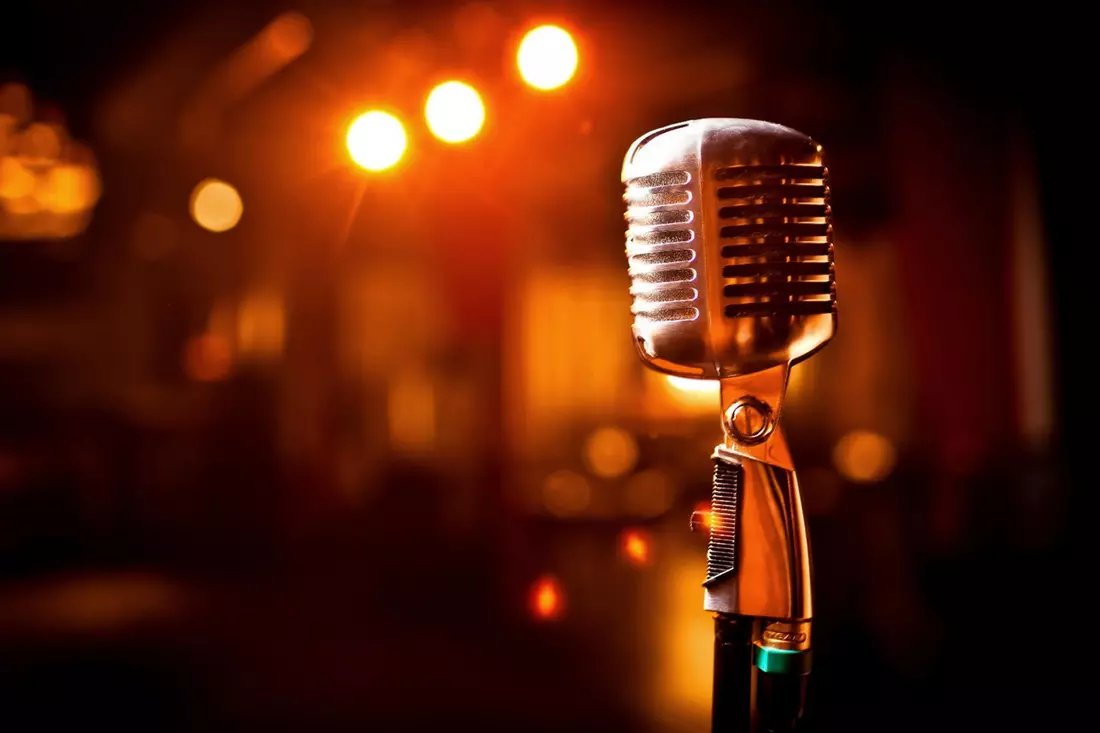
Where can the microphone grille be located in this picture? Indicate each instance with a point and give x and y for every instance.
(776, 236)
(660, 246)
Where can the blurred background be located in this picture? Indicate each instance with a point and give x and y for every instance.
(318, 403)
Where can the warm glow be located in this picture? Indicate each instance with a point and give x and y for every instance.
(454, 112)
(702, 515)
(686, 396)
(547, 57)
(683, 663)
(610, 452)
(215, 205)
(16, 180)
(376, 140)
(560, 312)
(261, 326)
(700, 386)
(864, 456)
(41, 142)
(649, 493)
(207, 358)
(636, 546)
(411, 404)
(547, 599)
(566, 494)
(289, 35)
(69, 188)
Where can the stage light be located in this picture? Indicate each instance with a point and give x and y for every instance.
(215, 205)
(547, 57)
(376, 140)
(454, 112)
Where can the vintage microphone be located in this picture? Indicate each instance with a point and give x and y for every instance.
(731, 258)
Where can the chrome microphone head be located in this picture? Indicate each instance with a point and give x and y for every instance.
(730, 247)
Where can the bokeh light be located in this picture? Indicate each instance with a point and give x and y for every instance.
(547, 599)
(207, 358)
(649, 493)
(566, 493)
(16, 180)
(216, 205)
(454, 112)
(41, 142)
(636, 546)
(261, 326)
(376, 140)
(610, 452)
(697, 386)
(864, 456)
(67, 189)
(547, 57)
(289, 35)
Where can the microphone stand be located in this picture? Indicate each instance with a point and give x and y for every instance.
(757, 552)
(732, 708)
(747, 699)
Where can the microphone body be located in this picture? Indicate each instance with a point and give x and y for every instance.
(729, 247)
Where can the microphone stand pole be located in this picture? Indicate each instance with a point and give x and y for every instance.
(732, 709)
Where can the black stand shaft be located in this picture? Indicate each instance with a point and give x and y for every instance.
(731, 707)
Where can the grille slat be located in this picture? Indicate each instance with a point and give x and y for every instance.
(779, 289)
(781, 308)
(664, 178)
(778, 247)
(660, 277)
(772, 173)
(648, 198)
(780, 268)
(669, 314)
(663, 236)
(662, 257)
(773, 191)
(664, 295)
(659, 217)
(785, 229)
(774, 210)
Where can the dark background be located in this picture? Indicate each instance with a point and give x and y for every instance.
(261, 550)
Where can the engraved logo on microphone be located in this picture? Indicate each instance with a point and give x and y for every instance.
(790, 637)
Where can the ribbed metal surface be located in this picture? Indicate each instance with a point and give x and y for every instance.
(658, 246)
(777, 240)
(725, 495)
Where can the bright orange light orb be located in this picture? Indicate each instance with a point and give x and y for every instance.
(454, 111)
(547, 57)
(547, 599)
(376, 140)
(636, 547)
(215, 205)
